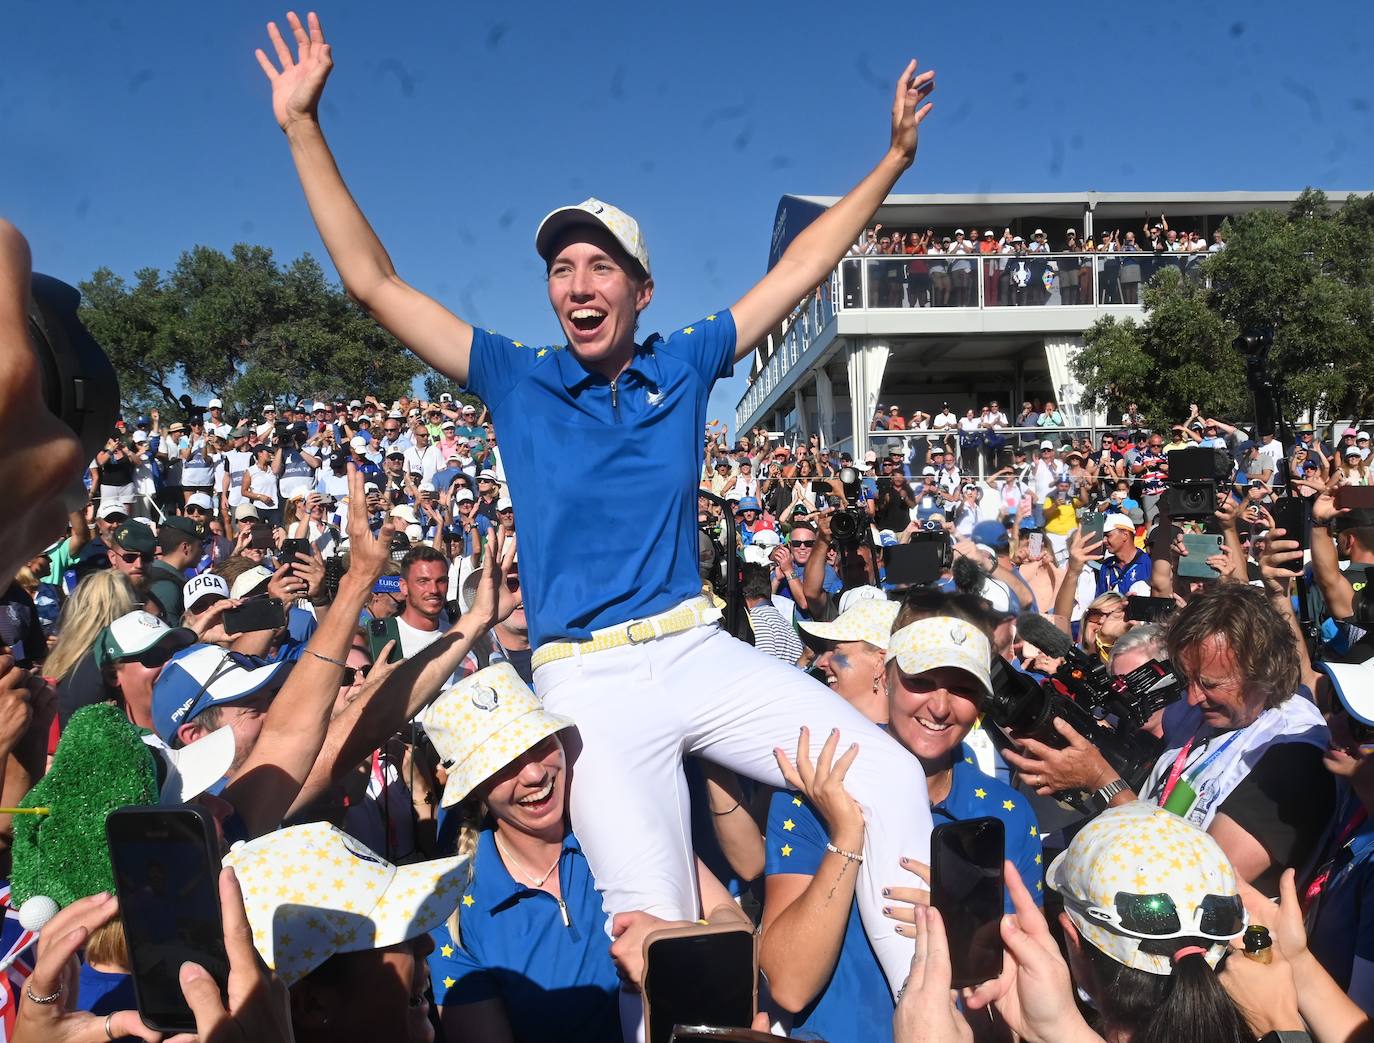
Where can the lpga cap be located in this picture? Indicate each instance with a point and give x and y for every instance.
(202, 676)
(1138, 880)
(483, 723)
(593, 212)
(867, 620)
(940, 641)
(312, 891)
(199, 588)
(134, 633)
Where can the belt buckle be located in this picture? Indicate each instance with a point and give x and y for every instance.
(629, 636)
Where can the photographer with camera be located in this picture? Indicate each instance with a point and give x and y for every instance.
(1079, 765)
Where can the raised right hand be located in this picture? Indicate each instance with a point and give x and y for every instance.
(822, 784)
(296, 89)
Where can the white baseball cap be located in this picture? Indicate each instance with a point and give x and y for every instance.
(249, 580)
(1117, 520)
(214, 403)
(109, 507)
(503, 504)
(854, 595)
(939, 641)
(406, 513)
(593, 212)
(244, 511)
(463, 496)
(206, 585)
(358, 444)
(1047, 444)
(200, 500)
(142, 436)
(318, 407)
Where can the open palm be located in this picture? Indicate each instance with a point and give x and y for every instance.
(297, 86)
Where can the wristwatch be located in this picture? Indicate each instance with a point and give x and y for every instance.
(1107, 792)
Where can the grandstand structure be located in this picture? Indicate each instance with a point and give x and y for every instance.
(861, 339)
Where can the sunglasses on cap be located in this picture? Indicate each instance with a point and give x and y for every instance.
(1219, 917)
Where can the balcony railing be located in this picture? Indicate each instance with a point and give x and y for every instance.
(961, 282)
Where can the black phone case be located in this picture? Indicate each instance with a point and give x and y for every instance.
(951, 898)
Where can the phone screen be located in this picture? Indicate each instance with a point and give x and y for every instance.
(705, 979)
(966, 886)
(166, 868)
(256, 614)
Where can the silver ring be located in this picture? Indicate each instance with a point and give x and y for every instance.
(44, 1000)
(109, 1033)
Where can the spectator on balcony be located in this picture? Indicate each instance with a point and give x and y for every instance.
(970, 440)
(918, 284)
(961, 272)
(992, 268)
(1218, 242)
(1131, 270)
(868, 242)
(1038, 291)
(1028, 417)
(1051, 417)
(895, 420)
(992, 421)
(1018, 271)
(1069, 269)
(891, 273)
(939, 272)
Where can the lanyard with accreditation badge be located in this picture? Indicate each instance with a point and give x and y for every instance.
(1179, 795)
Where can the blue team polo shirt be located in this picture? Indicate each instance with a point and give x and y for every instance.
(1342, 929)
(1120, 578)
(856, 1003)
(557, 983)
(588, 561)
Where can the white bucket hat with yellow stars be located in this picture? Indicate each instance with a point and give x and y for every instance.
(312, 891)
(483, 723)
(1140, 883)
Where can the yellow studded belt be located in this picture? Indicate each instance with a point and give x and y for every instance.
(693, 613)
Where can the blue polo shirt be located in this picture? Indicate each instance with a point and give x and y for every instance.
(557, 983)
(1342, 927)
(856, 1003)
(588, 562)
(1120, 578)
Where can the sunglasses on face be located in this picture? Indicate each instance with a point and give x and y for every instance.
(803, 543)
(129, 557)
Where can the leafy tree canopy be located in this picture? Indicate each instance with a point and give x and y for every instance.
(241, 327)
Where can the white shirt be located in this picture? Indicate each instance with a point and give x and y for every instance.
(233, 463)
(425, 460)
(944, 420)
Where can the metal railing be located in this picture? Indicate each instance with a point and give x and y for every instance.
(967, 282)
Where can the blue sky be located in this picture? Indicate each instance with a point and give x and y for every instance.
(135, 131)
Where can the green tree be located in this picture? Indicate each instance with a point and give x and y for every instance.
(1307, 274)
(242, 327)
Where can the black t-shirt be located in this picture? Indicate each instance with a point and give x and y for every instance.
(891, 512)
(117, 471)
(1286, 803)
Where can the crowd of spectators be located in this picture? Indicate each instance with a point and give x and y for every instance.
(306, 619)
(990, 269)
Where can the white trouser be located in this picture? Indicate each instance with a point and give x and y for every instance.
(640, 708)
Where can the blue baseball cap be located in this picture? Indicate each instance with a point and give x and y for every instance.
(204, 675)
(747, 503)
(991, 533)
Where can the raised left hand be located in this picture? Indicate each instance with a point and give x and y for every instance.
(907, 110)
